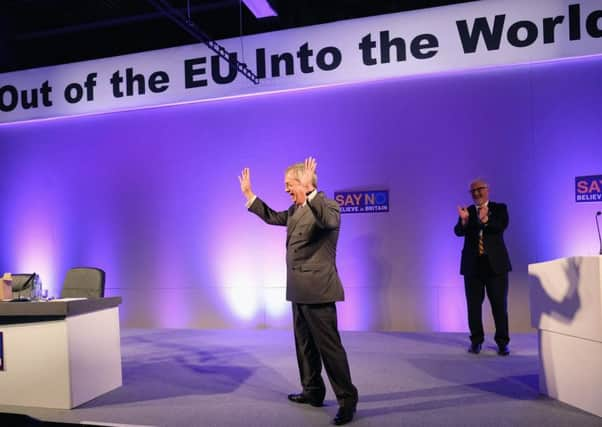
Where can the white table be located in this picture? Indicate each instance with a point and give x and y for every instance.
(566, 309)
(61, 353)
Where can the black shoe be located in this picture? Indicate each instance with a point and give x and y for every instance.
(301, 398)
(344, 415)
(503, 350)
(474, 348)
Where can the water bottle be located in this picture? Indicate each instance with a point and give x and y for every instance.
(40, 289)
(36, 292)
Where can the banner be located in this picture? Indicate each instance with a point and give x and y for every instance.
(457, 37)
(363, 201)
(588, 188)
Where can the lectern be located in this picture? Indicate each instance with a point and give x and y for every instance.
(61, 353)
(566, 309)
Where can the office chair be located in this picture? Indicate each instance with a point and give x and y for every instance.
(84, 282)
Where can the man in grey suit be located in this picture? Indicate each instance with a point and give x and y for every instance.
(312, 284)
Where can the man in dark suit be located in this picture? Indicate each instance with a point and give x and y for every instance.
(485, 264)
(312, 284)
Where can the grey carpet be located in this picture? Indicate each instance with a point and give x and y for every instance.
(241, 378)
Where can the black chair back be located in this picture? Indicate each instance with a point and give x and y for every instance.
(84, 282)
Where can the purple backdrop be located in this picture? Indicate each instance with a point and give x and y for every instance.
(151, 196)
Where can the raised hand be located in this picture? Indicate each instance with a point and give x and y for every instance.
(245, 183)
(306, 178)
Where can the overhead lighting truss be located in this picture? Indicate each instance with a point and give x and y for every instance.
(186, 23)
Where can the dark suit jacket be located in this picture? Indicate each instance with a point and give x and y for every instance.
(493, 240)
(311, 243)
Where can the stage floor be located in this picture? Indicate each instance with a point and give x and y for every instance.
(241, 378)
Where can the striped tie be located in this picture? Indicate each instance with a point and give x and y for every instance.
(481, 243)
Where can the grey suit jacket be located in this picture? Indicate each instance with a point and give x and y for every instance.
(312, 233)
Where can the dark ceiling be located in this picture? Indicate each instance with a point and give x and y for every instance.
(35, 33)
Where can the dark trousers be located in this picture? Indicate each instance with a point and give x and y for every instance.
(496, 286)
(317, 340)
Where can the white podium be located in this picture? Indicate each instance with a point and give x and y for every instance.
(59, 354)
(566, 308)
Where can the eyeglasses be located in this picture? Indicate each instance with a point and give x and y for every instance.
(477, 190)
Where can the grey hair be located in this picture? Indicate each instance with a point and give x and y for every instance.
(479, 180)
(298, 169)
